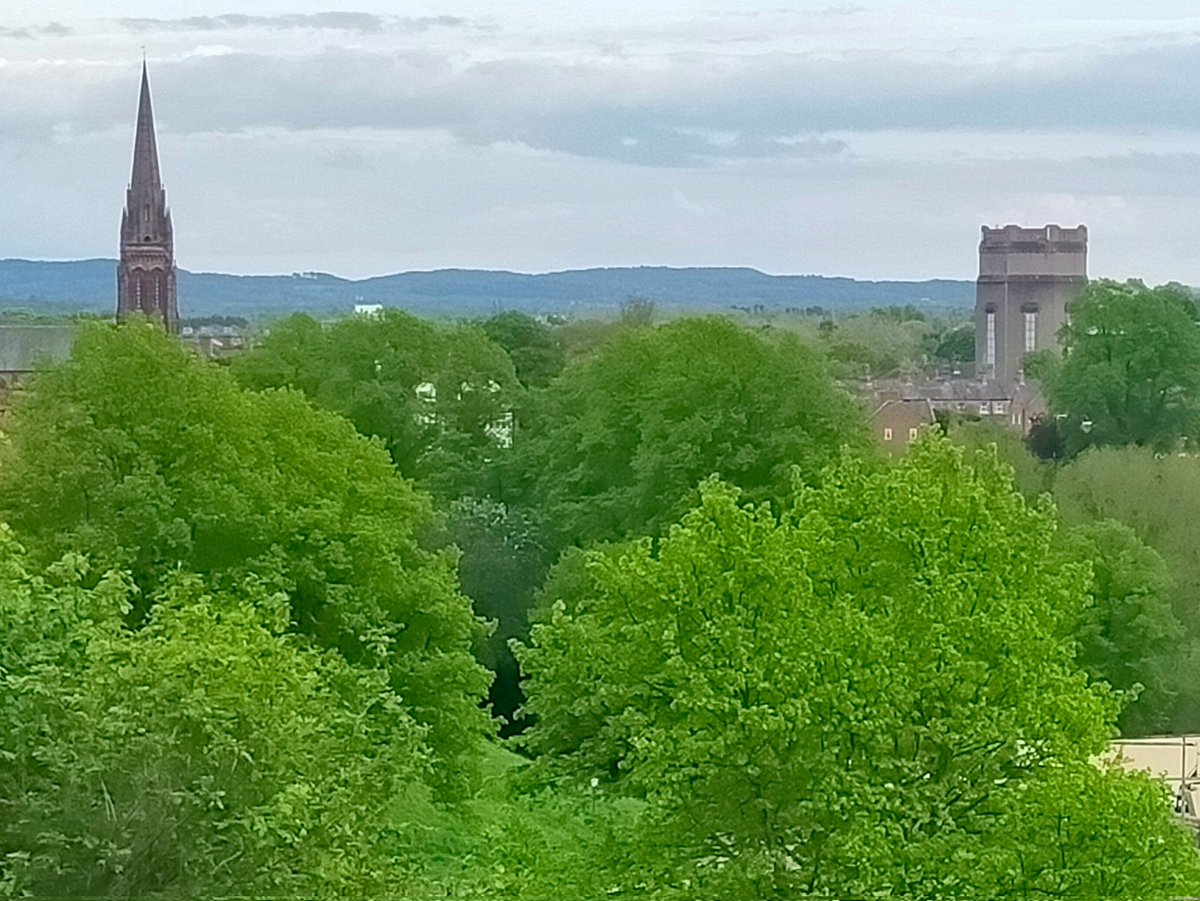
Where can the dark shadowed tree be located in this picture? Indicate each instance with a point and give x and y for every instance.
(500, 567)
(956, 345)
(536, 352)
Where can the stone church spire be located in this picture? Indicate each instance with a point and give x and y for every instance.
(146, 274)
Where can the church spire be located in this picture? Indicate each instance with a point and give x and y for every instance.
(146, 276)
(146, 176)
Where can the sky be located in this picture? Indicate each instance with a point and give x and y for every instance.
(869, 139)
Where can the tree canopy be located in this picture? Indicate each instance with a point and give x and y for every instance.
(618, 443)
(152, 461)
(1158, 497)
(439, 397)
(1129, 635)
(768, 663)
(536, 352)
(205, 753)
(1131, 370)
(845, 700)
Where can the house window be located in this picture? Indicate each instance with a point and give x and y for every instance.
(887, 434)
(989, 350)
(1030, 330)
(912, 434)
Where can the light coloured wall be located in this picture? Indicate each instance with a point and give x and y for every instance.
(1174, 759)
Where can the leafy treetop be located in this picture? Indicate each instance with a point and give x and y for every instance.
(618, 443)
(150, 460)
(438, 397)
(1131, 371)
(844, 701)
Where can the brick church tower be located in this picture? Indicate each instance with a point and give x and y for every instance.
(146, 274)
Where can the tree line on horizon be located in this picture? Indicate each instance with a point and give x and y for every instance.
(252, 615)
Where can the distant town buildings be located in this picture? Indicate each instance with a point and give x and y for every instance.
(899, 421)
(146, 281)
(1027, 277)
(903, 408)
(216, 340)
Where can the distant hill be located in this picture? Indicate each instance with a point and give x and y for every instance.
(89, 286)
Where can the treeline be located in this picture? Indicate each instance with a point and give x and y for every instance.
(251, 615)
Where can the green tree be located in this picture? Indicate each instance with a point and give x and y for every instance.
(151, 460)
(1032, 476)
(637, 312)
(439, 397)
(956, 345)
(880, 343)
(840, 702)
(618, 443)
(1159, 498)
(536, 353)
(1084, 832)
(1131, 370)
(1128, 636)
(290, 357)
(206, 753)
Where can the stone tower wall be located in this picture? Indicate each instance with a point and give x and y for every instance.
(1024, 273)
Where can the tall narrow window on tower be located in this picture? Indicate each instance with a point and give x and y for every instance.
(147, 236)
(989, 353)
(1030, 330)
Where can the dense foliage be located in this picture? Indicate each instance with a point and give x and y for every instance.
(843, 701)
(1130, 373)
(1158, 497)
(1128, 635)
(765, 662)
(620, 441)
(438, 397)
(537, 354)
(205, 753)
(152, 461)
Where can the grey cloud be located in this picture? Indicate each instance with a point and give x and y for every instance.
(621, 111)
(359, 22)
(51, 30)
(626, 113)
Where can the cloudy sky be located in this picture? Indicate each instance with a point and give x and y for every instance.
(870, 139)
